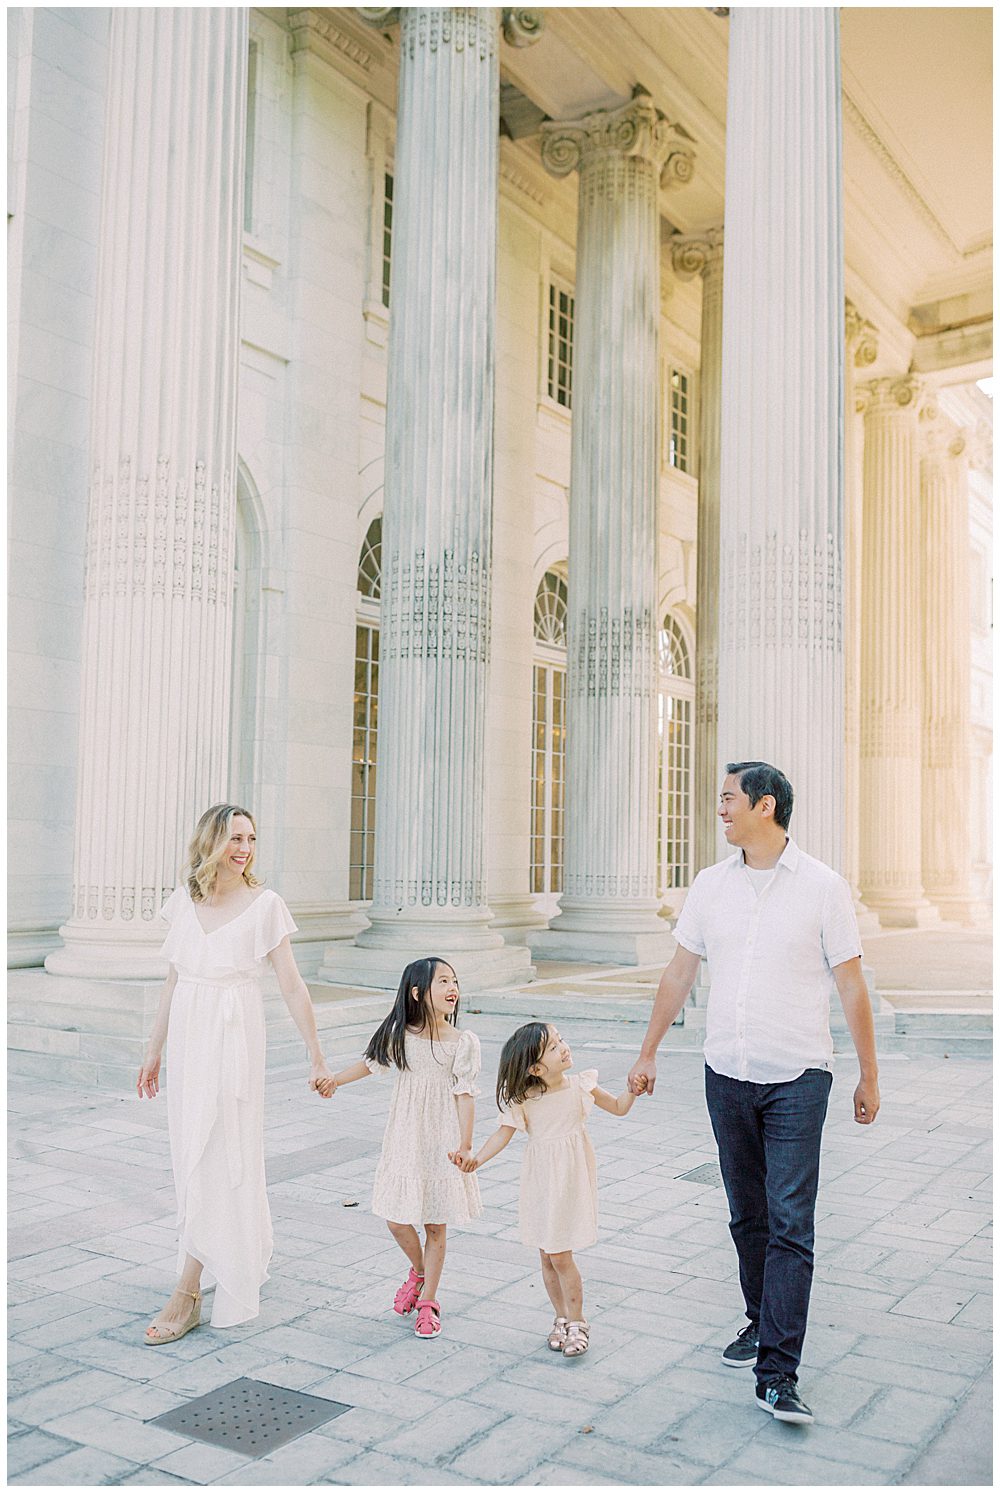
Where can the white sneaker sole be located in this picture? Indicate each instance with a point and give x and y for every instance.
(739, 1363)
(793, 1417)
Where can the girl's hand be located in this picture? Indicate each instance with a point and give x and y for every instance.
(148, 1082)
(639, 1084)
(463, 1159)
(321, 1080)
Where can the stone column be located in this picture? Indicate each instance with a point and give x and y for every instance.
(430, 886)
(702, 255)
(861, 349)
(947, 666)
(609, 907)
(154, 717)
(891, 658)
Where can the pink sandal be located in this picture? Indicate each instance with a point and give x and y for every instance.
(405, 1298)
(428, 1319)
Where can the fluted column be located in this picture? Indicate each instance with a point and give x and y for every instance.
(154, 720)
(947, 662)
(430, 887)
(861, 349)
(891, 657)
(781, 568)
(702, 255)
(609, 904)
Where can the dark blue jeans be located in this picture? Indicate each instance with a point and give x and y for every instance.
(768, 1136)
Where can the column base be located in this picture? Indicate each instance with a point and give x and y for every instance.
(93, 952)
(903, 912)
(369, 968)
(955, 907)
(515, 917)
(602, 946)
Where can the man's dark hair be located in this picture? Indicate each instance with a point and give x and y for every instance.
(760, 778)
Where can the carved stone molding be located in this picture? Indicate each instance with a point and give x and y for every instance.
(887, 395)
(693, 254)
(521, 28)
(312, 31)
(861, 337)
(637, 129)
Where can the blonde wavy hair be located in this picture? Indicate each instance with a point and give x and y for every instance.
(208, 848)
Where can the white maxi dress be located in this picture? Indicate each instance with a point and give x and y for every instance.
(215, 1095)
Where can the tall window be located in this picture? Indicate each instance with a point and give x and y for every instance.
(548, 742)
(386, 239)
(676, 705)
(560, 379)
(680, 452)
(366, 654)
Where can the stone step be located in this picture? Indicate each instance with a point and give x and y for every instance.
(971, 1020)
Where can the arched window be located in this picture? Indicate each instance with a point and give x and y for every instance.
(676, 707)
(548, 742)
(366, 654)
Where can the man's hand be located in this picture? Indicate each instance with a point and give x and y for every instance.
(866, 1101)
(642, 1076)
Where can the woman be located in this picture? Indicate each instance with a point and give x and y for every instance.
(223, 927)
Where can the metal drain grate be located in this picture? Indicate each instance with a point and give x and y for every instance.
(708, 1174)
(249, 1416)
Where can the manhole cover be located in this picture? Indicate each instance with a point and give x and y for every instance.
(709, 1175)
(249, 1416)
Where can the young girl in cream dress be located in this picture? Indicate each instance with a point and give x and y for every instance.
(225, 929)
(558, 1204)
(431, 1116)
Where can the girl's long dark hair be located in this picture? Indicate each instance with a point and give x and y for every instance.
(521, 1051)
(388, 1043)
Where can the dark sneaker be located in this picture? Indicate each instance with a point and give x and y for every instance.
(782, 1400)
(743, 1349)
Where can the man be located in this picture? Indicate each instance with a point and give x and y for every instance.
(779, 931)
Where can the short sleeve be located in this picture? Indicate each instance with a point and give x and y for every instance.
(171, 913)
(513, 1116)
(468, 1061)
(588, 1083)
(688, 930)
(274, 922)
(841, 939)
(376, 1067)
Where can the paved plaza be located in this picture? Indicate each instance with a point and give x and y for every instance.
(895, 1364)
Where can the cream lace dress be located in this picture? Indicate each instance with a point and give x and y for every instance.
(558, 1202)
(215, 1095)
(414, 1181)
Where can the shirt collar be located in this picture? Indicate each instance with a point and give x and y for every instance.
(789, 857)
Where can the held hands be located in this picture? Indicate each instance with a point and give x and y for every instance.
(642, 1076)
(321, 1080)
(866, 1101)
(148, 1082)
(463, 1159)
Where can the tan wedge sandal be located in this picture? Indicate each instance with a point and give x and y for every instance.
(170, 1332)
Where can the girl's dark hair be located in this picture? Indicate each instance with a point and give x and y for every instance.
(521, 1051)
(388, 1043)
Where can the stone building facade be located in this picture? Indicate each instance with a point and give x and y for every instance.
(414, 440)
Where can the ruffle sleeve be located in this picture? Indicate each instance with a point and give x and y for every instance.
(274, 922)
(171, 913)
(513, 1116)
(588, 1083)
(468, 1061)
(376, 1068)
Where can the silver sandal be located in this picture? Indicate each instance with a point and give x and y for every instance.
(577, 1339)
(557, 1334)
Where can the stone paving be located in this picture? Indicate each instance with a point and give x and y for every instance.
(895, 1364)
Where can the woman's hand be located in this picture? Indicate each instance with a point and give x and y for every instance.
(148, 1082)
(321, 1080)
(463, 1159)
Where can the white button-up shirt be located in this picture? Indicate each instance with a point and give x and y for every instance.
(771, 957)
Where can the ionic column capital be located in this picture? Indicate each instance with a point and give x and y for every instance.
(637, 129)
(980, 443)
(521, 28)
(890, 396)
(861, 337)
(694, 254)
(941, 436)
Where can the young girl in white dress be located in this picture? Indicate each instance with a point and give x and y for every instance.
(431, 1117)
(223, 929)
(557, 1210)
